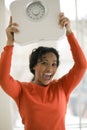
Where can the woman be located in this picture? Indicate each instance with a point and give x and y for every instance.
(42, 103)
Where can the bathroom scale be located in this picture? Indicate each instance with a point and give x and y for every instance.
(37, 20)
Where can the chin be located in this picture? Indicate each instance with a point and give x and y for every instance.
(45, 83)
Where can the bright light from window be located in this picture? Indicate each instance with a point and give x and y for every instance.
(69, 7)
(82, 7)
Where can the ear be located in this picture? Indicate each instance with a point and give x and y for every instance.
(34, 68)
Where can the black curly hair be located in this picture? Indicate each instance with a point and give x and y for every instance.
(38, 53)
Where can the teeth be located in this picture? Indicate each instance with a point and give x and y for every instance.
(48, 74)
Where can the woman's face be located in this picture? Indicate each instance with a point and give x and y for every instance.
(45, 69)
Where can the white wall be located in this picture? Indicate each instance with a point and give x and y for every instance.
(5, 101)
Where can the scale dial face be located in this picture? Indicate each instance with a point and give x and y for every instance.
(35, 10)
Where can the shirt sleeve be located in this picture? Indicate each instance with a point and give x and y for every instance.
(73, 77)
(11, 86)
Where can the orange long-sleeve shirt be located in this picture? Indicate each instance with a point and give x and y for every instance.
(43, 108)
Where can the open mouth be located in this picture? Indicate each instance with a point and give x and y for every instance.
(47, 76)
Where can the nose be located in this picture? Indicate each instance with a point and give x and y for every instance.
(49, 68)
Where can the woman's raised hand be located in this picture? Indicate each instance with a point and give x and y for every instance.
(64, 22)
(10, 30)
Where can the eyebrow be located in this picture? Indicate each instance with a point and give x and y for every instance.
(44, 58)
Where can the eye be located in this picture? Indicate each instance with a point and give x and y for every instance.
(54, 64)
(44, 62)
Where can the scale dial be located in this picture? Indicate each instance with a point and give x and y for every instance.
(35, 10)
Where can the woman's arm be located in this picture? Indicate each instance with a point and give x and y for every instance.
(9, 85)
(70, 80)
